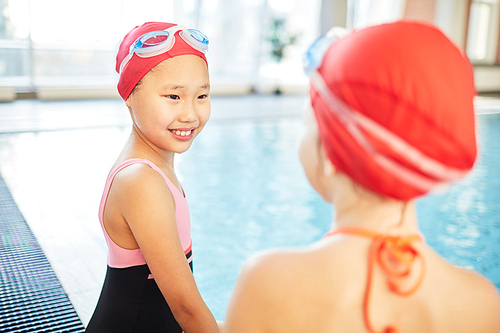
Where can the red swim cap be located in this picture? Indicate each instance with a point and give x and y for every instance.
(137, 67)
(405, 121)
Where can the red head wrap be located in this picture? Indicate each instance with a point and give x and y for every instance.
(137, 67)
(408, 92)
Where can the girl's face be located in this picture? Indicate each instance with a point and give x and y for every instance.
(171, 105)
(311, 155)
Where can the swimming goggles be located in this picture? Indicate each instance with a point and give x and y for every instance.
(314, 55)
(429, 173)
(160, 41)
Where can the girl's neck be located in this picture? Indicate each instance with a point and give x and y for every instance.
(380, 215)
(358, 207)
(138, 147)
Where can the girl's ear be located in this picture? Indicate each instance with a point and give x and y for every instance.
(328, 168)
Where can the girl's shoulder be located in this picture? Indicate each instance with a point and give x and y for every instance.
(137, 175)
(138, 181)
(481, 297)
(315, 260)
(462, 299)
(281, 273)
(282, 288)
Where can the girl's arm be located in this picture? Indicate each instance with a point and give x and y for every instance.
(148, 207)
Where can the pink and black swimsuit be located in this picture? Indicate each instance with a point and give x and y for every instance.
(130, 300)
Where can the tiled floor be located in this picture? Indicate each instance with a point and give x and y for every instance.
(55, 156)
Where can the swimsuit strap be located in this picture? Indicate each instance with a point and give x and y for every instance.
(395, 256)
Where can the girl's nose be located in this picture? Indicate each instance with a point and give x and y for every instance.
(188, 114)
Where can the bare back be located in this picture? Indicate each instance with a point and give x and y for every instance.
(321, 288)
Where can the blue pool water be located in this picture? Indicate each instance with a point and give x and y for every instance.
(247, 192)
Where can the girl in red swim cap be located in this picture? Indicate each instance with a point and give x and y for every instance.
(392, 119)
(149, 285)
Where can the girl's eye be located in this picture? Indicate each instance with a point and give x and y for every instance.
(173, 96)
(203, 96)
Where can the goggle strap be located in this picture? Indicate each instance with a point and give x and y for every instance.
(125, 62)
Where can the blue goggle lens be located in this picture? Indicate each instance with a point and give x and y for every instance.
(314, 55)
(199, 36)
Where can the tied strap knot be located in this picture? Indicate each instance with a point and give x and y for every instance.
(395, 256)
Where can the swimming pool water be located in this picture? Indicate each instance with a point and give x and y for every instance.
(464, 224)
(247, 192)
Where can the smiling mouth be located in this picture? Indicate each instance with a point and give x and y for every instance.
(182, 132)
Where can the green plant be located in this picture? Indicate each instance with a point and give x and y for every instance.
(279, 38)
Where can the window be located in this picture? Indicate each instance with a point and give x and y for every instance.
(482, 36)
(60, 43)
(368, 12)
(15, 52)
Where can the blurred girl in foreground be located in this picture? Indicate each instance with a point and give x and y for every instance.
(392, 119)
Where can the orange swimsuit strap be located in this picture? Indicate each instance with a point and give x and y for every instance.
(395, 256)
